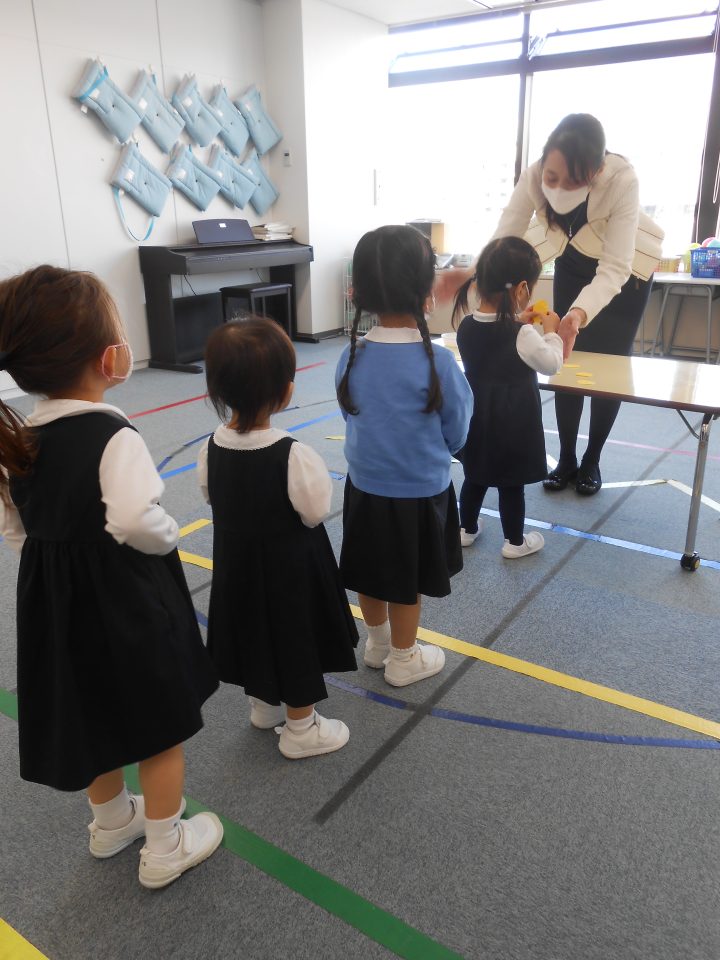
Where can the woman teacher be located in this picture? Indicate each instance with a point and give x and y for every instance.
(579, 205)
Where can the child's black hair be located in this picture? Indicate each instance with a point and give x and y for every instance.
(53, 324)
(502, 264)
(393, 271)
(249, 364)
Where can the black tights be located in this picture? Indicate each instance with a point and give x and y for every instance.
(568, 410)
(512, 509)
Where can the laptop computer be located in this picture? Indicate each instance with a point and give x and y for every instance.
(223, 231)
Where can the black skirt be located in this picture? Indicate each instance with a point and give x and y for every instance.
(396, 548)
(614, 328)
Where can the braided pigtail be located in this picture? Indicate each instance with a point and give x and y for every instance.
(435, 397)
(343, 390)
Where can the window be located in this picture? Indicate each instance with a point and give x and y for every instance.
(451, 156)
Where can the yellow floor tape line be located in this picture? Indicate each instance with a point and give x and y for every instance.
(595, 690)
(648, 708)
(15, 947)
(192, 527)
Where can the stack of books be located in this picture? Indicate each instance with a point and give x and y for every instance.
(273, 231)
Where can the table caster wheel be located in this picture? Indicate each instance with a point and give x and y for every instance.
(690, 561)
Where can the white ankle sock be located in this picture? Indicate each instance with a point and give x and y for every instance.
(163, 836)
(379, 635)
(300, 726)
(115, 813)
(397, 653)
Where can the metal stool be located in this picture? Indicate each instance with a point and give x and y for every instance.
(253, 297)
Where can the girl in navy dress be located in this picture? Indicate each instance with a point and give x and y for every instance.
(501, 351)
(111, 665)
(279, 617)
(407, 407)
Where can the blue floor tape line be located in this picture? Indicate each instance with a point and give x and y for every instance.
(617, 739)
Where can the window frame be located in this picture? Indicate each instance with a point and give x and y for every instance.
(526, 65)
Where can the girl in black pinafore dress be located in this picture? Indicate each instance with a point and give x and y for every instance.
(502, 353)
(279, 616)
(111, 666)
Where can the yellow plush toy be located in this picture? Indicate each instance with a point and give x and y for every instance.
(540, 307)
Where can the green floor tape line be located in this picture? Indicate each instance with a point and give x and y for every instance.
(372, 921)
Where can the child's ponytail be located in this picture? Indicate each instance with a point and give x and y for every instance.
(460, 304)
(16, 446)
(435, 397)
(343, 390)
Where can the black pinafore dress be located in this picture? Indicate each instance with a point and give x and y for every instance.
(505, 446)
(279, 617)
(111, 664)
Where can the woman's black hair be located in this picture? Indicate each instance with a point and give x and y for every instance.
(393, 271)
(502, 265)
(249, 364)
(580, 138)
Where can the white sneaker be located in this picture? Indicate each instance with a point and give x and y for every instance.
(265, 716)
(323, 736)
(468, 539)
(426, 661)
(532, 542)
(106, 843)
(199, 837)
(375, 653)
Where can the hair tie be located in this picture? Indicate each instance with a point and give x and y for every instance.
(4, 355)
(508, 286)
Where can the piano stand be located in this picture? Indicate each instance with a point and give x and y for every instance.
(178, 328)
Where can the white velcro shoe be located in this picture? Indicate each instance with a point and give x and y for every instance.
(265, 716)
(532, 542)
(375, 653)
(426, 661)
(106, 843)
(200, 836)
(323, 736)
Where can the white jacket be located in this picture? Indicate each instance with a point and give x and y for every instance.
(618, 235)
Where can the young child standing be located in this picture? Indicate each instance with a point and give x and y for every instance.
(279, 617)
(102, 601)
(407, 407)
(501, 353)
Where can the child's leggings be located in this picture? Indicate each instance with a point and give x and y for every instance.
(512, 509)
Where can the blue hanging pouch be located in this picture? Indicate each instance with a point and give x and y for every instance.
(263, 131)
(199, 183)
(265, 195)
(97, 92)
(159, 117)
(233, 129)
(136, 176)
(200, 121)
(237, 184)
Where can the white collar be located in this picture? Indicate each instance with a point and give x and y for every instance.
(48, 410)
(393, 335)
(226, 437)
(484, 317)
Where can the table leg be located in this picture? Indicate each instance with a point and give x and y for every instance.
(691, 560)
(659, 328)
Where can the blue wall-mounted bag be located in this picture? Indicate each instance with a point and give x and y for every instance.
(263, 131)
(200, 121)
(233, 129)
(159, 117)
(265, 195)
(198, 182)
(97, 92)
(137, 177)
(237, 184)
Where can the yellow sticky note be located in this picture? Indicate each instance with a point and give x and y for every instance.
(570, 366)
(584, 373)
(337, 437)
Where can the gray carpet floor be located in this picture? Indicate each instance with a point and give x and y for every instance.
(481, 808)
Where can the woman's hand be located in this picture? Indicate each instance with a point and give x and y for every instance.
(569, 328)
(448, 282)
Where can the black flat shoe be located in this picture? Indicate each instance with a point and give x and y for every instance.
(588, 481)
(559, 478)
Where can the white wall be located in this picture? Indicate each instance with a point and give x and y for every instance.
(55, 202)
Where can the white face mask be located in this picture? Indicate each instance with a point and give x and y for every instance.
(120, 378)
(563, 201)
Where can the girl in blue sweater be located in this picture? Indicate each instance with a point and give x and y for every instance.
(407, 408)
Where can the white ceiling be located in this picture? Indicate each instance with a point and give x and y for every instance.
(415, 11)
